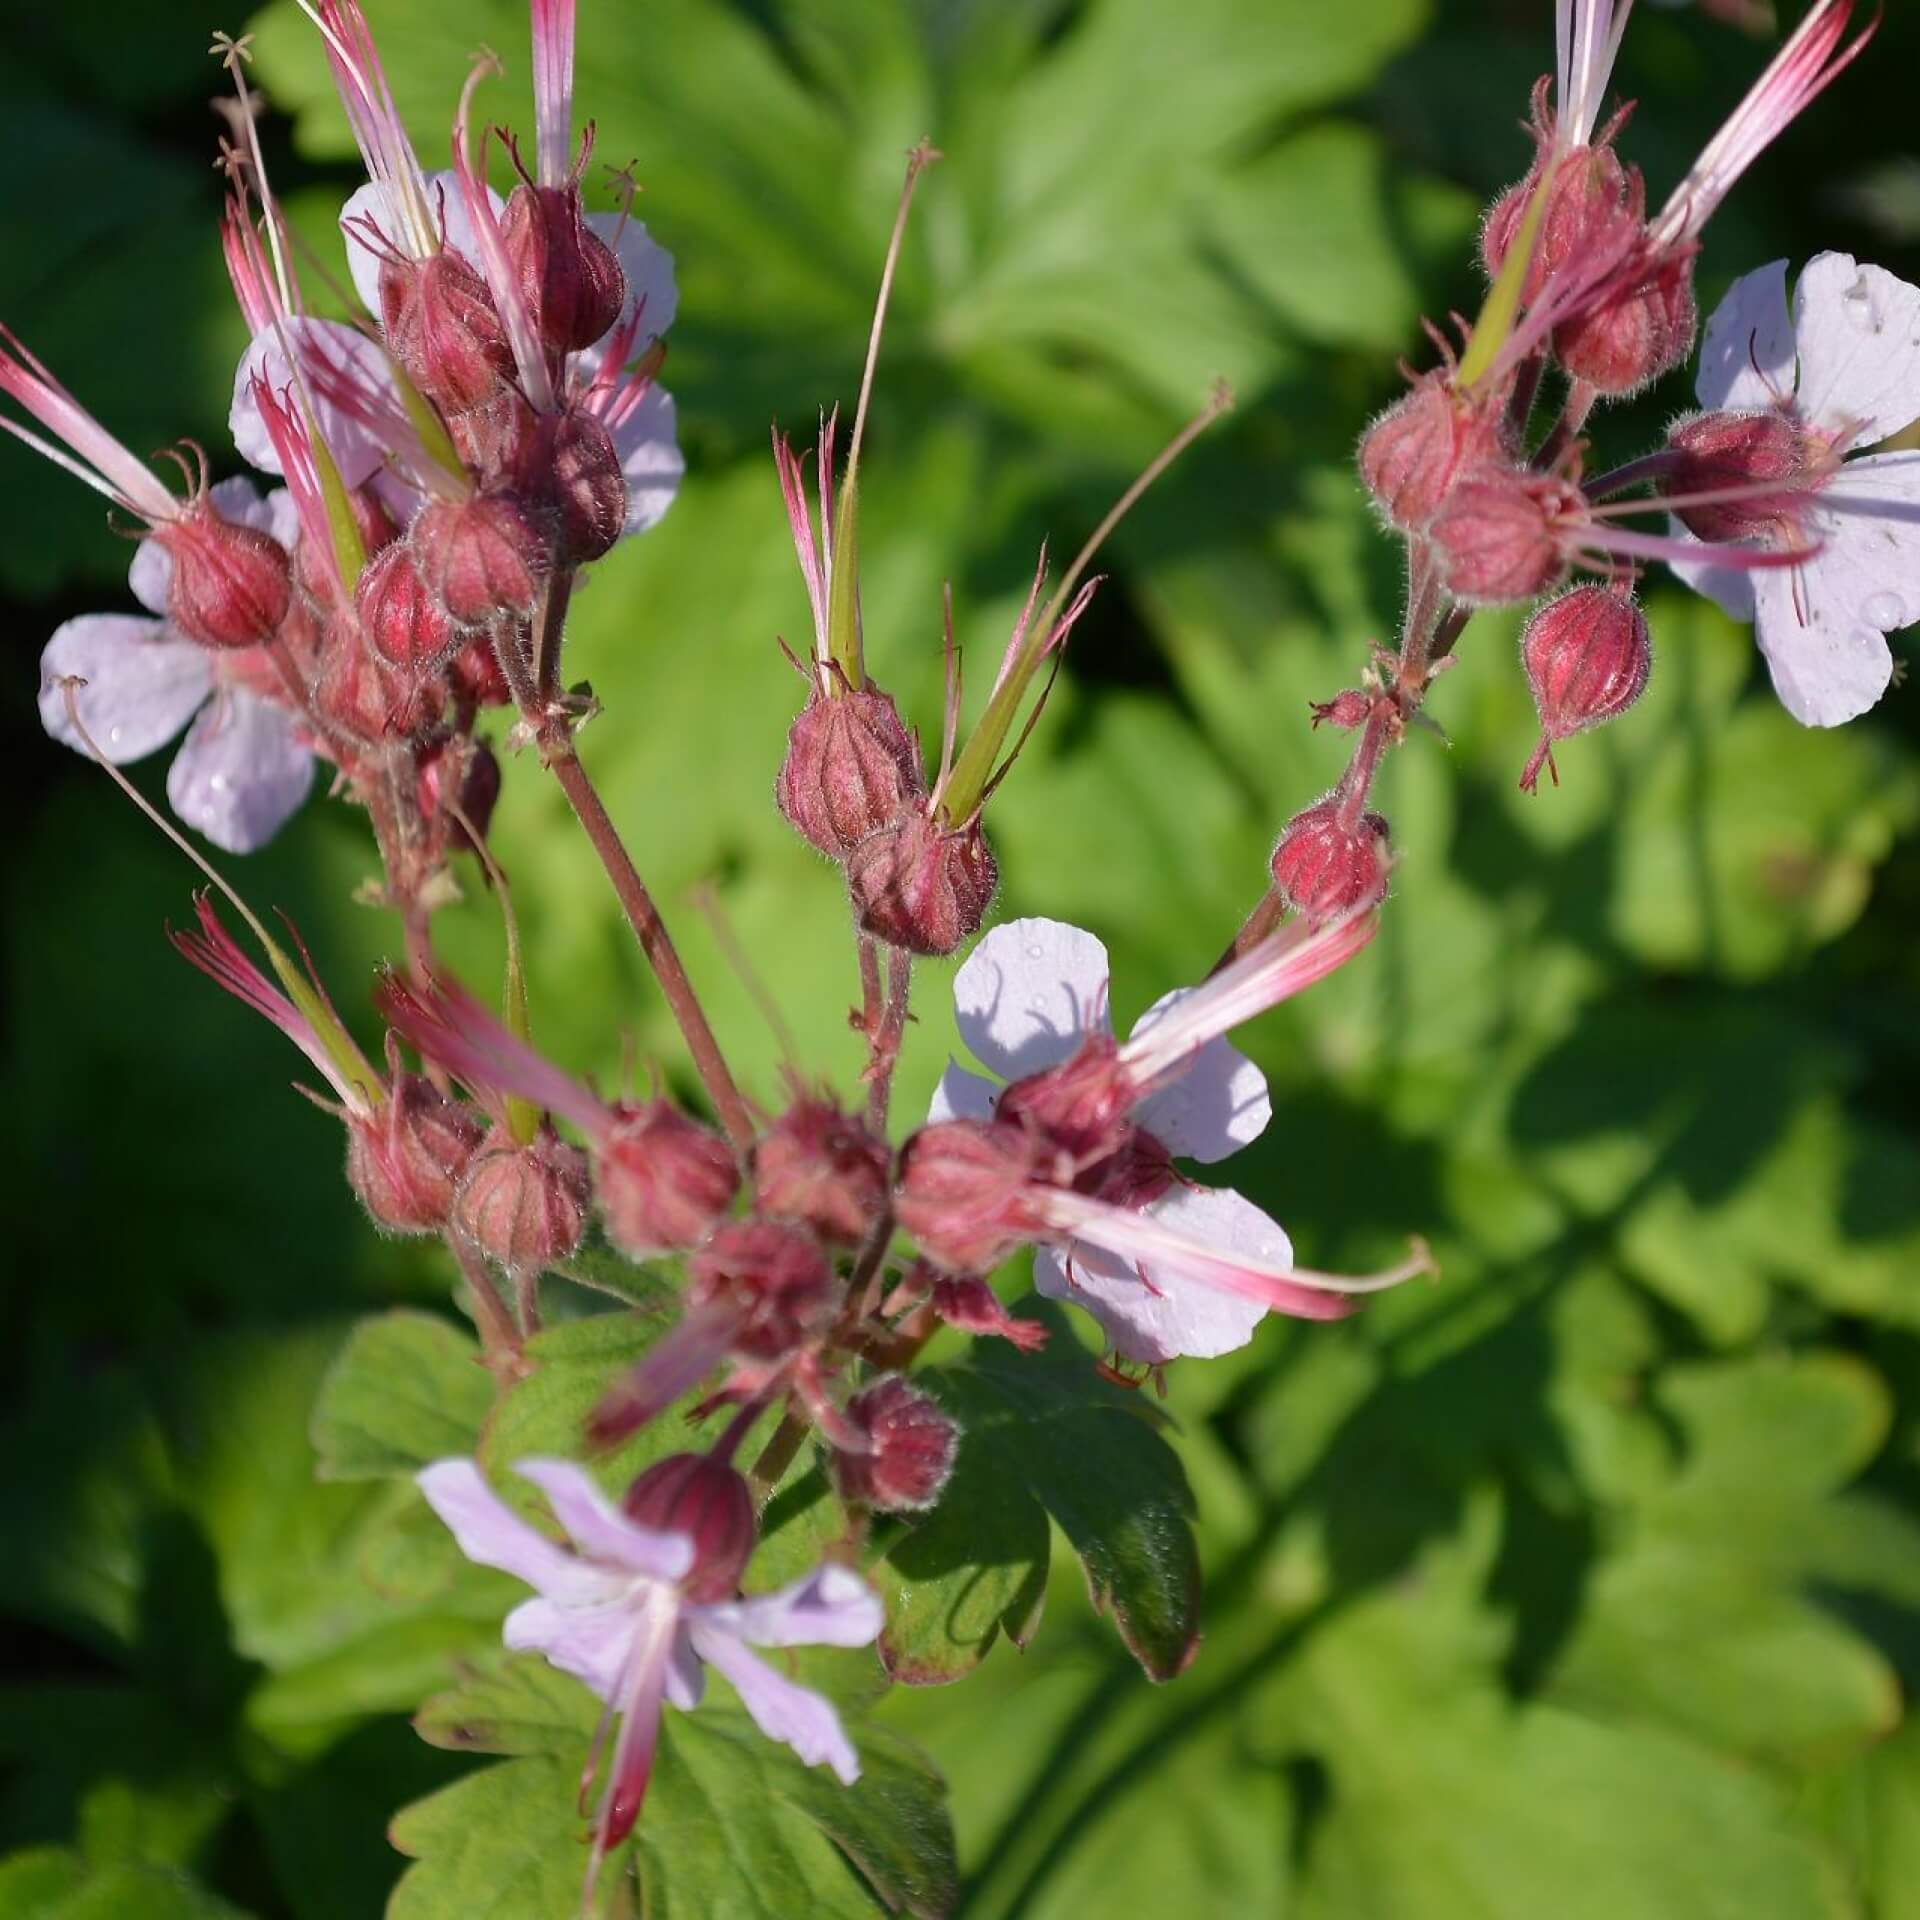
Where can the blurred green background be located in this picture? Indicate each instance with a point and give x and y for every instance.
(1584, 1582)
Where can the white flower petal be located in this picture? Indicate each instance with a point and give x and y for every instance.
(593, 1643)
(371, 202)
(686, 1677)
(358, 453)
(1144, 1319)
(490, 1533)
(796, 1716)
(648, 444)
(1029, 993)
(1746, 356)
(143, 683)
(1218, 1103)
(241, 772)
(599, 1529)
(1858, 331)
(963, 1096)
(1729, 588)
(829, 1607)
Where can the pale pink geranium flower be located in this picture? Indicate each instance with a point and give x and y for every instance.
(1030, 997)
(638, 1611)
(245, 765)
(1789, 393)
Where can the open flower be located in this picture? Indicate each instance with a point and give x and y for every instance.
(1030, 997)
(1789, 393)
(648, 1597)
(245, 765)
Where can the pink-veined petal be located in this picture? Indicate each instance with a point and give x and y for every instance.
(599, 1529)
(963, 1096)
(242, 771)
(796, 1716)
(356, 450)
(491, 1534)
(143, 683)
(593, 1642)
(1216, 1105)
(151, 573)
(1746, 356)
(829, 1607)
(1029, 993)
(1142, 1319)
(1729, 588)
(373, 202)
(1858, 332)
(647, 441)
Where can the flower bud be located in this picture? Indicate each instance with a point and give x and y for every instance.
(967, 1302)
(481, 558)
(571, 465)
(1712, 451)
(922, 886)
(524, 1207)
(1413, 453)
(1587, 656)
(573, 284)
(1597, 205)
(706, 1500)
(1134, 1175)
(772, 1279)
(1080, 1106)
(441, 326)
(1323, 868)
(475, 677)
(909, 1456)
(406, 1159)
(231, 583)
(662, 1178)
(1497, 538)
(851, 766)
(1627, 339)
(960, 1191)
(1343, 712)
(473, 774)
(403, 623)
(821, 1167)
(364, 697)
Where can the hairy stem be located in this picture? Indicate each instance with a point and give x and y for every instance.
(883, 1042)
(500, 1341)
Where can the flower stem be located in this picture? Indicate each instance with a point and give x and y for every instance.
(883, 1041)
(775, 1458)
(500, 1344)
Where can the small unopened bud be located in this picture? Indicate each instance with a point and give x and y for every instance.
(706, 1500)
(850, 768)
(911, 1442)
(482, 557)
(475, 776)
(771, 1278)
(1587, 656)
(1716, 451)
(967, 1302)
(1323, 867)
(524, 1207)
(922, 886)
(1081, 1105)
(663, 1179)
(403, 623)
(406, 1159)
(231, 584)
(1498, 536)
(1413, 453)
(1595, 206)
(571, 464)
(363, 696)
(821, 1167)
(1629, 338)
(441, 325)
(1344, 711)
(960, 1191)
(573, 284)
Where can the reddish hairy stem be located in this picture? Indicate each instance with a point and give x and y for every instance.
(499, 1337)
(552, 623)
(883, 1043)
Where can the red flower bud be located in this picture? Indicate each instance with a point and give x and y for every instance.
(403, 623)
(705, 1499)
(821, 1167)
(481, 558)
(663, 1179)
(772, 1279)
(960, 1191)
(1322, 867)
(474, 775)
(1629, 338)
(441, 325)
(573, 284)
(490, 438)
(966, 1302)
(1344, 711)
(524, 1207)
(1134, 1175)
(1080, 1106)
(406, 1159)
(1587, 657)
(1498, 536)
(571, 465)
(231, 585)
(1718, 450)
(909, 1457)
(851, 766)
(475, 676)
(1413, 453)
(360, 694)
(1597, 204)
(922, 886)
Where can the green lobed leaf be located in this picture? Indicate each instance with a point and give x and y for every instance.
(406, 1389)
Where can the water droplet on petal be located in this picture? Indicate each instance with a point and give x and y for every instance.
(1857, 304)
(1885, 611)
(1036, 952)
